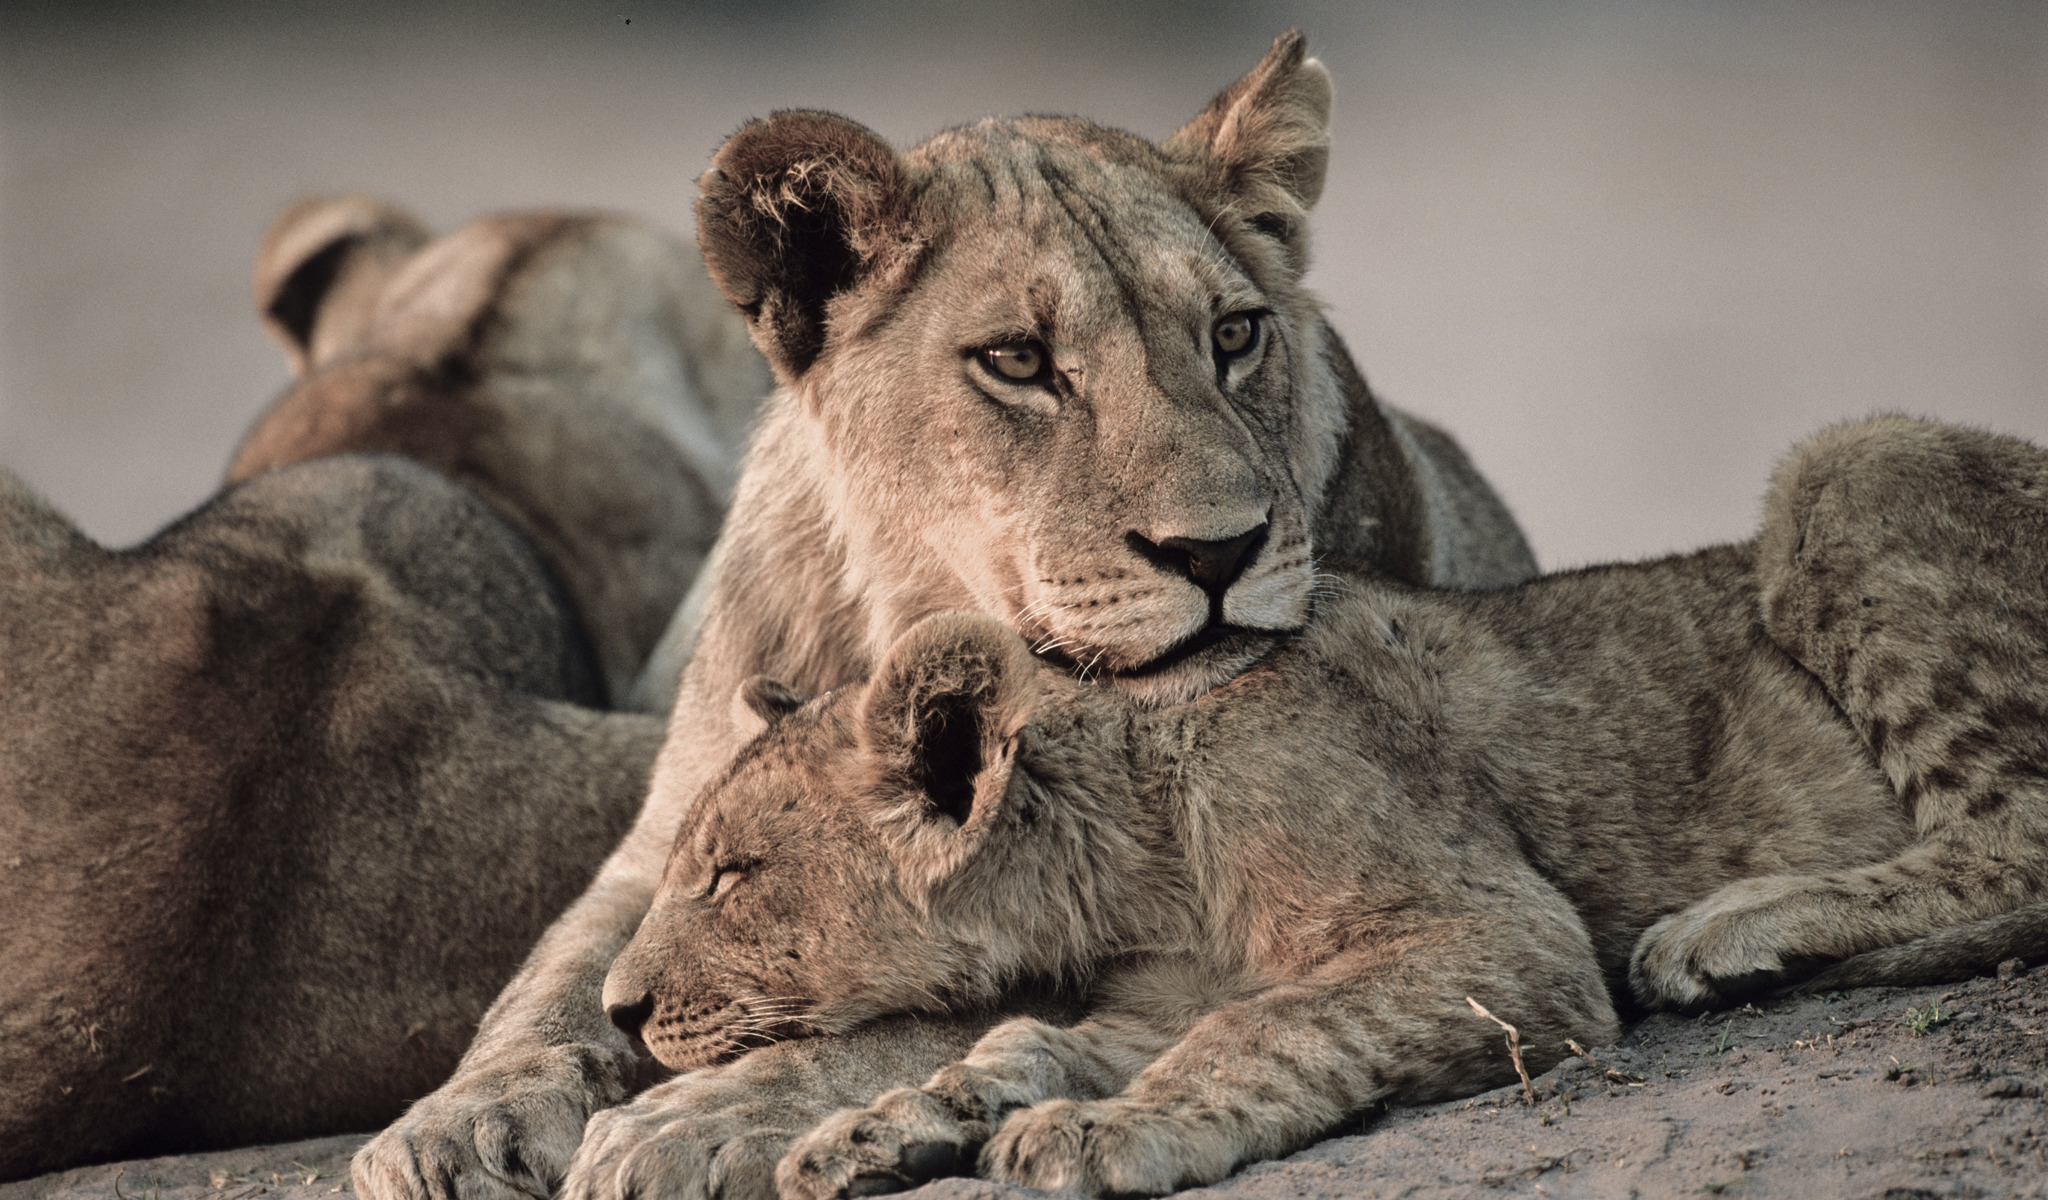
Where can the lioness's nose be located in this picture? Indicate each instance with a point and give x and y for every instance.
(1210, 565)
(630, 1016)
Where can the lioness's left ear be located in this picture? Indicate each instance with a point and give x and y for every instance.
(1271, 133)
(940, 720)
(795, 210)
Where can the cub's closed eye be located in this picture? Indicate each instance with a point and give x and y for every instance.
(1235, 333)
(1018, 362)
(723, 878)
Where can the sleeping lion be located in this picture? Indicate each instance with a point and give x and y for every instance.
(1817, 758)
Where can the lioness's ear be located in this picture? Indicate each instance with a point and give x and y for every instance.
(795, 209)
(760, 702)
(1271, 132)
(941, 719)
(321, 264)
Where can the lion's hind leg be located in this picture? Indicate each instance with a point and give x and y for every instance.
(1904, 563)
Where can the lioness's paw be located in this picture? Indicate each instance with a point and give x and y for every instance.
(1103, 1147)
(1737, 944)
(905, 1138)
(491, 1140)
(669, 1144)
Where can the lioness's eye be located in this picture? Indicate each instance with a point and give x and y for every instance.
(1236, 333)
(1022, 361)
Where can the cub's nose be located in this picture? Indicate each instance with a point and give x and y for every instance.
(631, 1015)
(628, 996)
(1210, 565)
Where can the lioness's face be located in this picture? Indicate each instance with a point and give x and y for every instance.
(1056, 373)
(1083, 415)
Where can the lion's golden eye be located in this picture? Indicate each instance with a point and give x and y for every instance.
(1236, 333)
(1021, 361)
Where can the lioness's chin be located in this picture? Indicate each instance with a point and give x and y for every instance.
(1196, 674)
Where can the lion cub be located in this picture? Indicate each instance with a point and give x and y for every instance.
(1682, 781)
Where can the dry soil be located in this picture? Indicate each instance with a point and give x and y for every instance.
(1883, 1092)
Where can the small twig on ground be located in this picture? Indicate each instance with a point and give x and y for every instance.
(1607, 1072)
(1514, 1049)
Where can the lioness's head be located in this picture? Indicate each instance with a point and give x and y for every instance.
(1056, 372)
(880, 849)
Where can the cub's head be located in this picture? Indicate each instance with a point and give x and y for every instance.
(1055, 372)
(914, 843)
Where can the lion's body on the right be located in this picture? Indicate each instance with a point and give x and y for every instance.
(1818, 758)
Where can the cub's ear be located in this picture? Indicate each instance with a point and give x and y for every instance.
(760, 702)
(940, 722)
(794, 210)
(321, 264)
(1270, 131)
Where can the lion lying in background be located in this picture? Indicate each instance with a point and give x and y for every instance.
(1818, 757)
(287, 792)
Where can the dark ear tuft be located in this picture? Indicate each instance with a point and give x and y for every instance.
(949, 743)
(1273, 225)
(319, 264)
(794, 210)
(759, 703)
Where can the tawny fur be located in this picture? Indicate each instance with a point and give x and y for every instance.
(895, 474)
(1679, 783)
(288, 791)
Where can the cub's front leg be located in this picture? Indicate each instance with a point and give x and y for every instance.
(1119, 1106)
(911, 1135)
(1262, 1078)
(718, 1132)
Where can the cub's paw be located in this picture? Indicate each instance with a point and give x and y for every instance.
(1105, 1147)
(677, 1143)
(1736, 945)
(506, 1134)
(905, 1138)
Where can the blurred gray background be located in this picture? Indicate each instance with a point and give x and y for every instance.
(1626, 249)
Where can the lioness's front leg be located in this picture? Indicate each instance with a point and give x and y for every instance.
(544, 1060)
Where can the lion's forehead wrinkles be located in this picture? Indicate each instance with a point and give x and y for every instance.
(1074, 249)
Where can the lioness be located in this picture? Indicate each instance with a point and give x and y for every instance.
(1683, 781)
(288, 791)
(1041, 369)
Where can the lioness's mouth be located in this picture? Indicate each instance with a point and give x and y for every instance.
(1226, 641)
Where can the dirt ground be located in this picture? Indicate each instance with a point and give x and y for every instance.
(1898, 1093)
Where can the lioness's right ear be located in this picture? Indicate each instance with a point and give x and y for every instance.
(940, 721)
(795, 209)
(321, 264)
(1270, 134)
